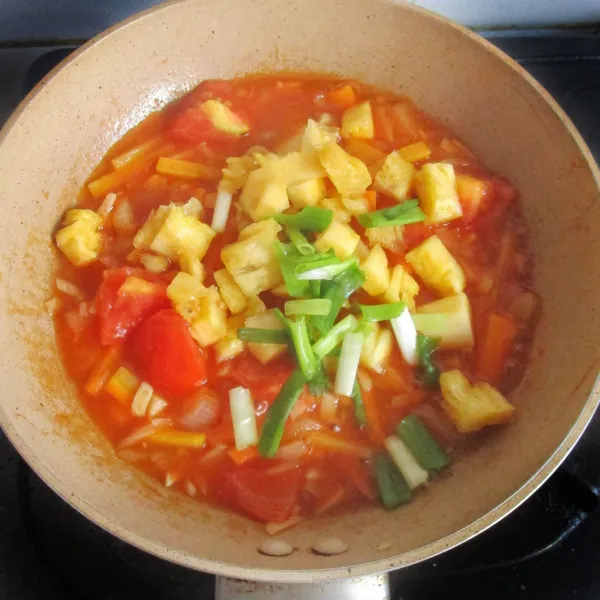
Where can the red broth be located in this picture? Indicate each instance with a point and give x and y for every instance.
(325, 460)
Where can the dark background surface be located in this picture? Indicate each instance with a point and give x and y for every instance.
(548, 548)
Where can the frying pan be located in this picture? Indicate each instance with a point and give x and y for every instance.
(63, 128)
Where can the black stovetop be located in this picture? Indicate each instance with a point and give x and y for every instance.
(548, 548)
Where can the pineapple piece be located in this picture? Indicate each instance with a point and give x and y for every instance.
(438, 197)
(377, 349)
(472, 407)
(316, 135)
(348, 174)
(146, 234)
(307, 193)
(272, 201)
(255, 307)
(223, 118)
(395, 177)
(448, 319)
(338, 237)
(80, 239)
(265, 353)
(390, 238)
(375, 268)
(230, 345)
(192, 208)
(357, 205)
(230, 291)
(191, 264)
(122, 385)
(415, 152)
(251, 260)
(281, 291)
(237, 171)
(209, 324)
(155, 264)
(292, 168)
(357, 122)
(185, 292)
(402, 287)
(437, 267)
(340, 213)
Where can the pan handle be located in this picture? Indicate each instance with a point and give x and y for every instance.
(373, 587)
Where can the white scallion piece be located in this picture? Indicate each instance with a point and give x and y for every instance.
(222, 206)
(141, 400)
(243, 417)
(406, 335)
(348, 363)
(107, 205)
(407, 464)
(156, 405)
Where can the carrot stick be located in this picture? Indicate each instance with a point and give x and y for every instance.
(333, 443)
(239, 457)
(335, 497)
(342, 97)
(371, 197)
(499, 336)
(103, 370)
(374, 426)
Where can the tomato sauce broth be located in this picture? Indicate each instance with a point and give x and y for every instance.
(489, 244)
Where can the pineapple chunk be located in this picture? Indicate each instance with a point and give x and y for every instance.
(237, 171)
(230, 291)
(223, 118)
(357, 122)
(281, 291)
(209, 324)
(390, 238)
(338, 237)
(229, 346)
(437, 267)
(377, 349)
(356, 205)
(122, 385)
(448, 319)
(251, 260)
(265, 353)
(472, 407)
(340, 213)
(395, 177)
(375, 268)
(185, 292)
(316, 135)
(307, 193)
(79, 240)
(348, 174)
(438, 197)
(402, 287)
(191, 264)
(155, 264)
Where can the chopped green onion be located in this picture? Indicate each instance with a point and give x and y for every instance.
(299, 240)
(334, 336)
(325, 271)
(262, 336)
(428, 372)
(406, 336)
(407, 464)
(315, 306)
(359, 407)
(315, 287)
(381, 312)
(401, 214)
(320, 383)
(348, 363)
(310, 218)
(243, 418)
(421, 445)
(278, 412)
(337, 291)
(393, 490)
(304, 351)
(287, 257)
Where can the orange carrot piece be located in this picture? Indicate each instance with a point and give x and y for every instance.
(239, 457)
(358, 476)
(335, 497)
(342, 97)
(499, 336)
(334, 443)
(371, 197)
(103, 370)
(374, 426)
(384, 127)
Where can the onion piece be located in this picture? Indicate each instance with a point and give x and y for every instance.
(107, 205)
(141, 399)
(68, 288)
(222, 206)
(123, 219)
(304, 425)
(243, 417)
(201, 409)
(293, 450)
(406, 335)
(328, 409)
(143, 432)
(214, 454)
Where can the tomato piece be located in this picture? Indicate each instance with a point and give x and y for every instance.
(192, 125)
(264, 497)
(119, 313)
(414, 234)
(165, 354)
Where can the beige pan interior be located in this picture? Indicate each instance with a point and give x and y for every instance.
(63, 129)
